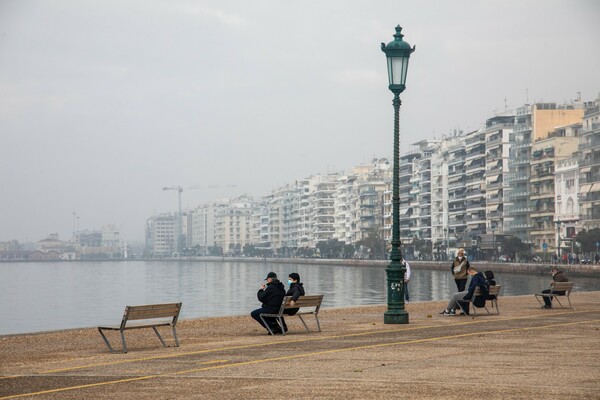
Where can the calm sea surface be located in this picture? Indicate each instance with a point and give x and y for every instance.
(47, 296)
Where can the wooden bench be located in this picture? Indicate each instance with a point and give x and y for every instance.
(311, 302)
(493, 291)
(557, 289)
(153, 316)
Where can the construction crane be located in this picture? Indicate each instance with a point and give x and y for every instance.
(178, 223)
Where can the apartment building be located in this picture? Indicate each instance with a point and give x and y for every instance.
(160, 235)
(475, 178)
(566, 212)
(457, 227)
(560, 145)
(497, 148)
(589, 150)
(233, 225)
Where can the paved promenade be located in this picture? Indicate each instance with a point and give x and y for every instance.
(525, 353)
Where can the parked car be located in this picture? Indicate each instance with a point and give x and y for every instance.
(504, 259)
(585, 260)
(536, 259)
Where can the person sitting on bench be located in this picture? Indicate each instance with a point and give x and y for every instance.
(296, 290)
(477, 279)
(557, 276)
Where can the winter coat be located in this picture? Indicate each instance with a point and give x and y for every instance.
(296, 290)
(478, 280)
(560, 277)
(462, 273)
(272, 296)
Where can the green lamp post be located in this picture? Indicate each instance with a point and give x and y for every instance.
(397, 52)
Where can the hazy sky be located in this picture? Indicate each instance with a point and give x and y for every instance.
(102, 103)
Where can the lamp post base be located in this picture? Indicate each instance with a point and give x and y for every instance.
(395, 317)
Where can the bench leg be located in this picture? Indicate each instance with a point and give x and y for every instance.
(106, 341)
(318, 324)
(159, 337)
(175, 336)
(124, 343)
(304, 323)
(267, 325)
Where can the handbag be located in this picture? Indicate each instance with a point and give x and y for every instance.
(459, 267)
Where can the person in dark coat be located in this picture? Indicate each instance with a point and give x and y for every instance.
(489, 276)
(271, 296)
(557, 276)
(459, 270)
(296, 290)
(477, 279)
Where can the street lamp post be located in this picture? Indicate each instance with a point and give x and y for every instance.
(493, 226)
(397, 53)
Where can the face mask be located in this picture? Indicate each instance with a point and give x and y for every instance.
(290, 282)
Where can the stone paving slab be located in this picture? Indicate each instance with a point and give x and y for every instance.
(525, 352)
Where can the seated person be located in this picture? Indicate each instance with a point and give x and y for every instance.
(489, 276)
(296, 290)
(477, 279)
(557, 276)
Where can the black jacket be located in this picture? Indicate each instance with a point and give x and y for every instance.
(296, 290)
(478, 280)
(272, 296)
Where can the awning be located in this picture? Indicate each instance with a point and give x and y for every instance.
(585, 170)
(469, 162)
(595, 187)
(491, 193)
(585, 188)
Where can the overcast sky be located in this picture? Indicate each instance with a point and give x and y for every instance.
(102, 103)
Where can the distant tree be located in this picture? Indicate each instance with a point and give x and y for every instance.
(512, 245)
(249, 250)
(375, 244)
(331, 248)
(348, 251)
(588, 240)
(422, 248)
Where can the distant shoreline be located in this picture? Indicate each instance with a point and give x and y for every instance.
(524, 268)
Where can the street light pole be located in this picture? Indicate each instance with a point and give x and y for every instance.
(397, 53)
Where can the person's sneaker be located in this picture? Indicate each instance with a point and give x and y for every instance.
(446, 312)
(453, 312)
(546, 306)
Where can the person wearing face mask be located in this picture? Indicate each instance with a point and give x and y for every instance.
(459, 270)
(296, 290)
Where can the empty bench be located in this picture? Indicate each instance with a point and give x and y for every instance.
(557, 290)
(151, 316)
(307, 305)
(493, 291)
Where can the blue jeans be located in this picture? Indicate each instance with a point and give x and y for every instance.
(406, 297)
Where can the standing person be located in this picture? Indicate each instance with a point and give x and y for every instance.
(557, 276)
(296, 290)
(459, 270)
(477, 279)
(271, 295)
(406, 280)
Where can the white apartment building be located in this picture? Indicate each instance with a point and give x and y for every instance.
(233, 225)
(497, 147)
(475, 177)
(160, 235)
(567, 211)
